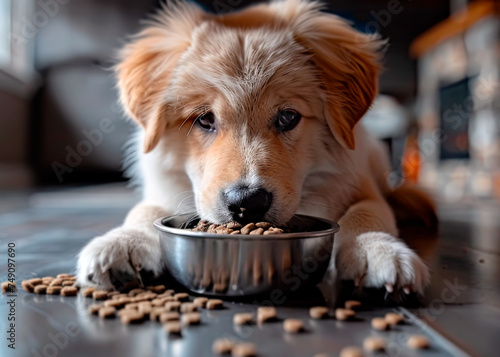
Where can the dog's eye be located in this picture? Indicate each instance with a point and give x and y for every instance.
(287, 120)
(206, 121)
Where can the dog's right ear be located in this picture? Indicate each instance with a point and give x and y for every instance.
(147, 63)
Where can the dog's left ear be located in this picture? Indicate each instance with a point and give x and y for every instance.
(348, 61)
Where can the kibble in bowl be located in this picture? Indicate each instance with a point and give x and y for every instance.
(241, 260)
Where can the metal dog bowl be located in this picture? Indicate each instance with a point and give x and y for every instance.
(240, 265)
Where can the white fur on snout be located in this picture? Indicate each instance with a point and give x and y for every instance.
(124, 249)
(376, 259)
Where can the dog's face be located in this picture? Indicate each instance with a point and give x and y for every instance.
(257, 96)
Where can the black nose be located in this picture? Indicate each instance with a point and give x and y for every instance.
(247, 204)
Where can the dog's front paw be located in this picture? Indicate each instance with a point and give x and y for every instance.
(377, 259)
(116, 258)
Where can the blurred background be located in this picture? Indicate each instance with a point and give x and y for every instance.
(61, 126)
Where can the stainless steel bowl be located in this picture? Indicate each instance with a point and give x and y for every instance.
(241, 265)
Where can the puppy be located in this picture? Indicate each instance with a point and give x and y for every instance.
(255, 114)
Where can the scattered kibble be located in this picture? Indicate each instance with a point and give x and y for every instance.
(40, 289)
(351, 351)
(352, 304)
(246, 349)
(418, 342)
(393, 318)
(167, 316)
(222, 346)
(88, 292)
(8, 287)
(344, 314)
(318, 312)
(69, 291)
(379, 323)
(53, 290)
(173, 327)
(213, 304)
(200, 301)
(107, 312)
(100, 295)
(374, 343)
(266, 313)
(131, 316)
(242, 318)
(191, 318)
(293, 325)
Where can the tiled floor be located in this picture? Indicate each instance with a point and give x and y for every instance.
(461, 314)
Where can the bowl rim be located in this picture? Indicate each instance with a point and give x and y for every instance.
(334, 228)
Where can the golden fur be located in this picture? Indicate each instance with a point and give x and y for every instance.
(244, 67)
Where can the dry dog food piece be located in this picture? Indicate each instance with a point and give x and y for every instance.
(56, 282)
(191, 318)
(374, 344)
(113, 302)
(181, 297)
(8, 287)
(27, 286)
(248, 228)
(87, 292)
(169, 316)
(135, 292)
(172, 305)
(222, 346)
(246, 349)
(200, 301)
(352, 304)
(145, 308)
(318, 312)
(263, 225)
(418, 342)
(351, 351)
(40, 289)
(131, 316)
(188, 307)
(107, 312)
(257, 232)
(132, 306)
(393, 318)
(69, 291)
(213, 304)
(94, 308)
(125, 300)
(293, 325)
(242, 318)
(100, 295)
(68, 283)
(47, 280)
(64, 276)
(379, 323)
(36, 281)
(344, 314)
(155, 313)
(159, 289)
(266, 313)
(173, 327)
(53, 290)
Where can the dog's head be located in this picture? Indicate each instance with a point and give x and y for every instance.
(259, 96)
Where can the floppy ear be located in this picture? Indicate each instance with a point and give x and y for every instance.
(147, 63)
(348, 61)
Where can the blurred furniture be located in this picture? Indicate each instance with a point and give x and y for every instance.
(458, 110)
(74, 53)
